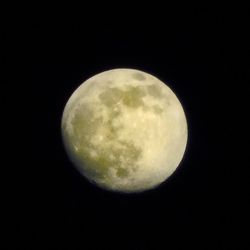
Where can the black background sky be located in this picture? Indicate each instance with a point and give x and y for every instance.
(201, 53)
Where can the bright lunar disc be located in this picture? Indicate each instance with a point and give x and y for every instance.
(124, 130)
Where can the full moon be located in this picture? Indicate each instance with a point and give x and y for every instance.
(124, 130)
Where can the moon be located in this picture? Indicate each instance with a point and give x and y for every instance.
(124, 130)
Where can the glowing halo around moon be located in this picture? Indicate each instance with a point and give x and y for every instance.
(124, 130)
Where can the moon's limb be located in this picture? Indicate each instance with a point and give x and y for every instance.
(125, 130)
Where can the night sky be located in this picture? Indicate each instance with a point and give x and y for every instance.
(200, 54)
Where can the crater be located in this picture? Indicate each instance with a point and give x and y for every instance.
(157, 109)
(132, 97)
(139, 76)
(111, 96)
(122, 172)
(154, 91)
(124, 157)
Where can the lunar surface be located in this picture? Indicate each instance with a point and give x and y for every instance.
(124, 130)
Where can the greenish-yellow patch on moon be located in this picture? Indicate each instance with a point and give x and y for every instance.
(139, 76)
(124, 130)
